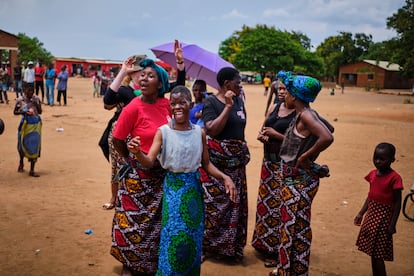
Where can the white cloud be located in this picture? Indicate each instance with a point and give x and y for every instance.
(234, 13)
(271, 13)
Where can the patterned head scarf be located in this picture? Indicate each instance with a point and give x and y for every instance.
(302, 87)
(162, 75)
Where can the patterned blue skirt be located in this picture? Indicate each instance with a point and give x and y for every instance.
(29, 137)
(182, 225)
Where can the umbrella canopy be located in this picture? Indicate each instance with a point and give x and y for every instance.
(164, 65)
(199, 63)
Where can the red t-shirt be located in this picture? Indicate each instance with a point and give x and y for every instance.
(382, 187)
(142, 119)
(39, 73)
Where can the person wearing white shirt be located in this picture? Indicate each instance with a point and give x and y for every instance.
(29, 75)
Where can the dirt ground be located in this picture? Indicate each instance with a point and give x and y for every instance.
(43, 220)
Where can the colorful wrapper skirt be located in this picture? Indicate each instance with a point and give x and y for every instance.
(298, 189)
(225, 225)
(136, 225)
(266, 236)
(182, 225)
(29, 137)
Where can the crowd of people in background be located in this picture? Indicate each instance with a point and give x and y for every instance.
(46, 80)
(43, 80)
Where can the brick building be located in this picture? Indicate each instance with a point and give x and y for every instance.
(9, 44)
(373, 74)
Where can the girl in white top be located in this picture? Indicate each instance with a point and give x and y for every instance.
(181, 149)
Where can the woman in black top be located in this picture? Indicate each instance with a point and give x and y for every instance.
(224, 117)
(266, 231)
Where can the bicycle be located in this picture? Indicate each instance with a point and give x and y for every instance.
(408, 212)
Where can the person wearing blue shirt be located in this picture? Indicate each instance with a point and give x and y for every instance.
(50, 84)
(199, 92)
(62, 84)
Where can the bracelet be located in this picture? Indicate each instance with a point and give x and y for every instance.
(180, 62)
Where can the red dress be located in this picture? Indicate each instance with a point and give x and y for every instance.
(373, 238)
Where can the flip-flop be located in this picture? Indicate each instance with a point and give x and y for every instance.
(108, 206)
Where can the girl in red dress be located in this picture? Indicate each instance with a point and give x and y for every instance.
(381, 209)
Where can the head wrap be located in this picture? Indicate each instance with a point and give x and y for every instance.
(226, 73)
(303, 87)
(162, 75)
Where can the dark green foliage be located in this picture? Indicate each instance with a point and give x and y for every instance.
(402, 46)
(266, 50)
(32, 49)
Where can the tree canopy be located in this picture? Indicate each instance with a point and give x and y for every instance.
(402, 46)
(265, 49)
(32, 49)
(343, 49)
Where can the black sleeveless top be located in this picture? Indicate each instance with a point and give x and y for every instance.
(280, 124)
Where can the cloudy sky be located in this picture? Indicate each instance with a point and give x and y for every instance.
(119, 28)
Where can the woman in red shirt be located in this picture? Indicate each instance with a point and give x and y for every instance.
(137, 220)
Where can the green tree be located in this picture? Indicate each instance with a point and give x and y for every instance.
(32, 49)
(378, 51)
(402, 46)
(302, 39)
(343, 49)
(229, 48)
(264, 49)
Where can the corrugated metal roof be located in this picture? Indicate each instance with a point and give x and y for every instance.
(89, 60)
(384, 65)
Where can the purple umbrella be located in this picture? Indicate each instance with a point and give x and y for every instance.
(199, 63)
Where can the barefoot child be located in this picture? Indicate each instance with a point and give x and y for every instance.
(181, 148)
(381, 209)
(30, 127)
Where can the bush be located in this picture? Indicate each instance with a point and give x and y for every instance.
(377, 87)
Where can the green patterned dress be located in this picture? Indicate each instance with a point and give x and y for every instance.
(182, 206)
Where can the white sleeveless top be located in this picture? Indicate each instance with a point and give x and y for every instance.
(181, 150)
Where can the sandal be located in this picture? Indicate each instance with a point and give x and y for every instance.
(108, 206)
(20, 168)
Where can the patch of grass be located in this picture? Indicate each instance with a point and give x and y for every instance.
(407, 101)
